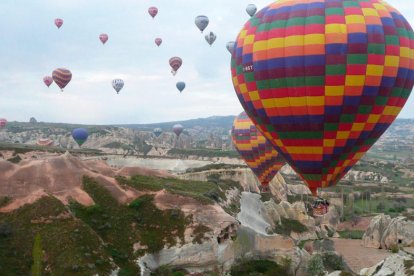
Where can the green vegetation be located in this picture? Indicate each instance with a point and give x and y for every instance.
(37, 256)
(120, 226)
(15, 159)
(395, 248)
(287, 226)
(202, 152)
(351, 234)
(83, 252)
(259, 267)
(315, 266)
(5, 200)
(205, 192)
(168, 271)
(215, 167)
(24, 148)
(332, 261)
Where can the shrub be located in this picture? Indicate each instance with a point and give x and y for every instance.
(332, 261)
(289, 225)
(394, 248)
(315, 266)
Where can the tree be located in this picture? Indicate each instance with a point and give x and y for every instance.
(37, 256)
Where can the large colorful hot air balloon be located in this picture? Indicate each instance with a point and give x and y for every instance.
(117, 84)
(175, 63)
(258, 153)
(201, 22)
(180, 86)
(62, 77)
(103, 38)
(58, 22)
(3, 123)
(178, 129)
(251, 9)
(230, 46)
(80, 135)
(157, 131)
(210, 38)
(153, 11)
(48, 80)
(158, 41)
(323, 80)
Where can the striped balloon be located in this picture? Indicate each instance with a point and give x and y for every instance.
(258, 153)
(324, 79)
(3, 123)
(62, 77)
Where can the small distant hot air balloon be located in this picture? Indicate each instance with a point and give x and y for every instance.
(103, 38)
(157, 131)
(153, 11)
(201, 22)
(175, 63)
(158, 41)
(117, 84)
(58, 22)
(230, 46)
(251, 9)
(62, 77)
(258, 153)
(48, 80)
(80, 135)
(3, 123)
(180, 86)
(210, 38)
(178, 129)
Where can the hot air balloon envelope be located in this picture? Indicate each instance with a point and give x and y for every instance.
(48, 80)
(258, 153)
(210, 38)
(103, 38)
(201, 22)
(158, 41)
(58, 22)
(153, 11)
(175, 63)
(80, 135)
(180, 86)
(117, 84)
(3, 123)
(62, 77)
(178, 129)
(251, 9)
(157, 131)
(323, 80)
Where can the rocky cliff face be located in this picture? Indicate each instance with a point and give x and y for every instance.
(398, 265)
(384, 232)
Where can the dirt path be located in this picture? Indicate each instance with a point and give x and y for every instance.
(357, 256)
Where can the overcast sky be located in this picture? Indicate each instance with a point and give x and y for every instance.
(31, 47)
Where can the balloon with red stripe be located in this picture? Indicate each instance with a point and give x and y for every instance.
(62, 77)
(324, 79)
(258, 153)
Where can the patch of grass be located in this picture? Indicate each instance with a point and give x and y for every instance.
(69, 244)
(351, 234)
(205, 192)
(288, 226)
(259, 267)
(115, 145)
(15, 159)
(120, 226)
(5, 200)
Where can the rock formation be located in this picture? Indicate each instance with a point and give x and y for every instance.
(397, 264)
(384, 232)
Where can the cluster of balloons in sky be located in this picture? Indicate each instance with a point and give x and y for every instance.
(63, 76)
(321, 80)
